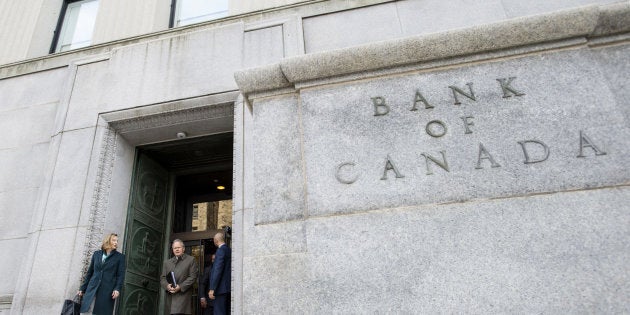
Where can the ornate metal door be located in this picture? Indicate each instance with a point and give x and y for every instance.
(145, 237)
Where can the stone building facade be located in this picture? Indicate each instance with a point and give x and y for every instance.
(382, 156)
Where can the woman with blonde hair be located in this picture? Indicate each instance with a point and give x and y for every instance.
(104, 278)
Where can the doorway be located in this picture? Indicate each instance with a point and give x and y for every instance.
(180, 190)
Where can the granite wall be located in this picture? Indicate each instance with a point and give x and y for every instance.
(515, 197)
(480, 170)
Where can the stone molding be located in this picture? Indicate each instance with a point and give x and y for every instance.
(585, 22)
(100, 197)
(120, 122)
(60, 60)
(173, 112)
(166, 118)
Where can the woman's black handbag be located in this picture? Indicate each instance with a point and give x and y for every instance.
(72, 307)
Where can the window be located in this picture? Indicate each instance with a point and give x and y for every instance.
(76, 25)
(186, 12)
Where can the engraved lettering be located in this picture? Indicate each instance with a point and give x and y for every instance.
(443, 164)
(467, 123)
(485, 155)
(586, 142)
(343, 176)
(380, 108)
(507, 88)
(528, 160)
(420, 98)
(435, 134)
(457, 90)
(389, 166)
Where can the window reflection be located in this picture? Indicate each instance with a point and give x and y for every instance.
(78, 25)
(212, 215)
(195, 11)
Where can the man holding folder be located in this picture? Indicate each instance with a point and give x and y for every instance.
(179, 273)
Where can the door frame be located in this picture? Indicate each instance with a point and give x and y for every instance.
(118, 135)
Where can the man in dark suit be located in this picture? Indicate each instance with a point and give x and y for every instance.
(221, 276)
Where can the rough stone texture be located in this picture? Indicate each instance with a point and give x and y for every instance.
(555, 253)
(278, 284)
(279, 192)
(272, 239)
(615, 66)
(558, 253)
(244, 180)
(340, 127)
(516, 8)
(295, 255)
(262, 78)
(569, 24)
(238, 155)
(547, 237)
(500, 35)
(613, 18)
(237, 202)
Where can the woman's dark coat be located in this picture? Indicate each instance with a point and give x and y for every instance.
(101, 280)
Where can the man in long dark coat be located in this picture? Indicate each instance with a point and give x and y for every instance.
(185, 269)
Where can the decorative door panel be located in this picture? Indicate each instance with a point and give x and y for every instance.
(146, 222)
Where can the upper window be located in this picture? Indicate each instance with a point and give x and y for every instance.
(186, 12)
(77, 25)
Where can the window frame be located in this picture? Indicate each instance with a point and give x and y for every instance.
(57, 32)
(171, 21)
(173, 17)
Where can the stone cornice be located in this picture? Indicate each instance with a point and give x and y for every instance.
(304, 8)
(168, 113)
(585, 22)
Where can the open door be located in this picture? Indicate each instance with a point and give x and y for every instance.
(145, 239)
(180, 189)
